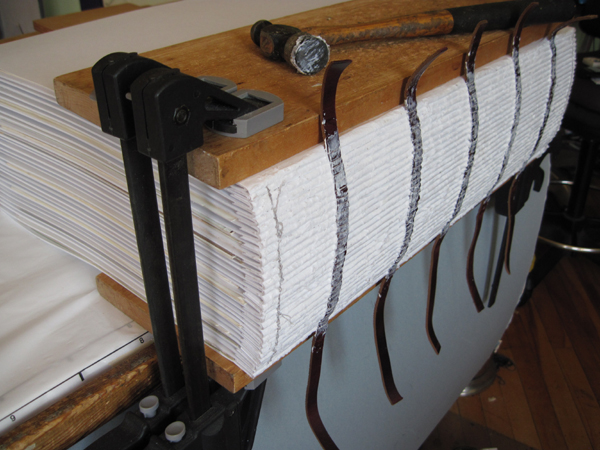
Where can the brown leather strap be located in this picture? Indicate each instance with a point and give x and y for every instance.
(332, 144)
(470, 75)
(510, 219)
(513, 192)
(474, 105)
(435, 256)
(471, 256)
(435, 252)
(312, 390)
(383, 355)
(515, 186)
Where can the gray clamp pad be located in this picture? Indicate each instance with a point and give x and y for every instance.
(261, 119)
(220, 82)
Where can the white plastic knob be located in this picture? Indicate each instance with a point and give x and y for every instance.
(149, 406)
(175, 431)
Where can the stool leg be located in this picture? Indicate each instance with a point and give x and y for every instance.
(581, 185)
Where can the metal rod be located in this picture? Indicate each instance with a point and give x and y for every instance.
(571, 248)
(582, 181)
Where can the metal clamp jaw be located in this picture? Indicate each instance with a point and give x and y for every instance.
(158, 113)
(175, 107)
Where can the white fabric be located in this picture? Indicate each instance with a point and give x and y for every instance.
(54, 325)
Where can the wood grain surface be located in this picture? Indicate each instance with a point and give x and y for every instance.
(219, 368)
(372, 85)
(550, 399)
(72, 418)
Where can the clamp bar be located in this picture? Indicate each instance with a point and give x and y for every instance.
(184, 277)
(112, 77)
(170, 110)
(159, 113)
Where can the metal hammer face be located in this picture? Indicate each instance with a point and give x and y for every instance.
(308, 54)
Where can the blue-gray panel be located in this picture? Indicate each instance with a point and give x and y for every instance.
(352, 402)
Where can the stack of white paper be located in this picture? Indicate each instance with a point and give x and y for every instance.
(265, 247)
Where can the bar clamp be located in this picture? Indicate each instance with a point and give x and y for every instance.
(158, 113)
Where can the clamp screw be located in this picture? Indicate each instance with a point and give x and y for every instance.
(181, 116)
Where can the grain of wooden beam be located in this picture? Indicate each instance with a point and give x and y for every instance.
(69, 420)
(219, 368)
(587, 404)
(578, 325)
(550, 396)
(495, 411)
(372, 85)
(564, 406)
(471, 409)
(526, 357)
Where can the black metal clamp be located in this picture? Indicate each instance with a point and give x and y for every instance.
(159, 113)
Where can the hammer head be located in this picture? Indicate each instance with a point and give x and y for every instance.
(308, 54)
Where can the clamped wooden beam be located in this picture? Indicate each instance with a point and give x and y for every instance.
(308, 50)
(159, 113)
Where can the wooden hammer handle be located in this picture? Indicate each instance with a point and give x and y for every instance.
(501, 15)
(424, 24)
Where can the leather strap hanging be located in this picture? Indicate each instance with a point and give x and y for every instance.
(332, 143)
(510, 224)
(435, 251)
(516, 184)
(483, 205)
(383, 356)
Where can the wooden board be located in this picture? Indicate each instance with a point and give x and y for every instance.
(218, 367)
(57, 22)
(66, 422)
(373, 84)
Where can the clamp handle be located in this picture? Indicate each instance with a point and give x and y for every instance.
(112, 76)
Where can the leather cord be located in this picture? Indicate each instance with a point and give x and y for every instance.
(332, 143)
(383, 356)
(435, 252)
(471, 255)
(510, 223)
(516, 183)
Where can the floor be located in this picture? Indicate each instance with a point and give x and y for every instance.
(550, 399)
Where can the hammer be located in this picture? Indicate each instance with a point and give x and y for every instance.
(308, 50)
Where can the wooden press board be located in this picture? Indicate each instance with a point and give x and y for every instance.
(372, 85)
